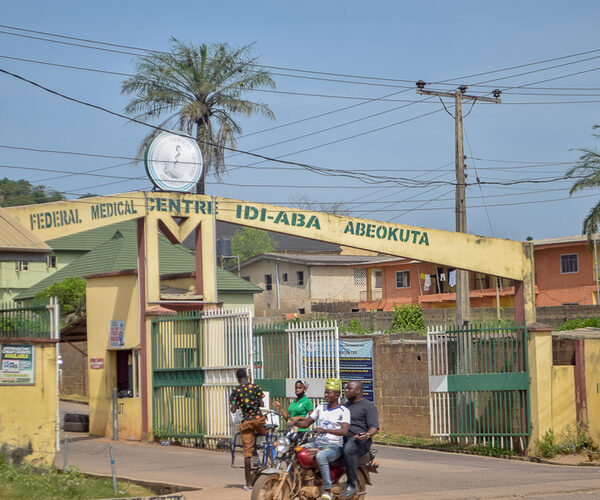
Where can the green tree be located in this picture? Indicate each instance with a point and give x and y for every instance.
(70, 293)
(587, 176)
(22, 192)
(199, 88)
(249, 242)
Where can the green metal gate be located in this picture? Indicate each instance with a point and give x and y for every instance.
(194, 358)
(479, 384)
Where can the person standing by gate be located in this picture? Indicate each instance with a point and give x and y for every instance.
(364, 424)
(248, 398)
(301, 407)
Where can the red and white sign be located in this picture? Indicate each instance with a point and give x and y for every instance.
(96, 363)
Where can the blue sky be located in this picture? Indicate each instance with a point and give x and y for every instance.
(522, 139)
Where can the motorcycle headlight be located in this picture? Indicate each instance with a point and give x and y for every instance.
(282, 445)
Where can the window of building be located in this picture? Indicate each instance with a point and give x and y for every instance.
(301, 310)
(360, 277)
(284, 277)
(378, 279)
(569, 263)
(51, 261)
(128, 373)
(268, 282)
(402, 279)
(22, 265)
(300, 276)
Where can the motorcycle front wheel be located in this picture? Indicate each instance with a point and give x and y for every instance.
(265, 487)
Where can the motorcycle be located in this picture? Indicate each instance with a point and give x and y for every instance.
(297, 474)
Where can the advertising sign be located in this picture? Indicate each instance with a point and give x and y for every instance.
(96, 363)
(17, 364)
(356, 363)
(116, 334)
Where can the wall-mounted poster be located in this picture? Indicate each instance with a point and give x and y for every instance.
(116, 336)
(17, 365)
(356, 363)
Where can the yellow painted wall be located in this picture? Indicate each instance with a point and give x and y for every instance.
(563, 398)
(111, 298)
(28, 412)
(540, 371)
(592, 380)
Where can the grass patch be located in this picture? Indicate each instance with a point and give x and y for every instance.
(25, 481)
(573, 440)
(432, 444)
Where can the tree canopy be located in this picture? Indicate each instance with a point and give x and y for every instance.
(587, 175)
(249, 242)
(70, 293)
(22, 192)
(199, 88)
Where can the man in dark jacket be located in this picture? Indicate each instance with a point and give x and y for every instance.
(364, 424)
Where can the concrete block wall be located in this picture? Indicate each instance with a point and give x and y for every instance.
(401, 384)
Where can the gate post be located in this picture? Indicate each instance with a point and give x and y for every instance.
(540, 370)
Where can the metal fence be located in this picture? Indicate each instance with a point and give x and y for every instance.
(25, 320)
(479, 384)
(194, 358)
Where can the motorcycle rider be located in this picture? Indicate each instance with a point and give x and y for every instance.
(333, 421)
(249, 398)
(301, 407)
(364, 424)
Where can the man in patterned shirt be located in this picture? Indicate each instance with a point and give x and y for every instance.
(249, 398)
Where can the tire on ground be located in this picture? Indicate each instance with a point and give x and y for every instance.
(76, 417)
(76, 427)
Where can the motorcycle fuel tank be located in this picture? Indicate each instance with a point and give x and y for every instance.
(306, 458)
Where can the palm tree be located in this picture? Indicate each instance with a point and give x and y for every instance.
(587, 173)
(200, 88)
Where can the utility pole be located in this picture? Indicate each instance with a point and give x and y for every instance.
(463, 310)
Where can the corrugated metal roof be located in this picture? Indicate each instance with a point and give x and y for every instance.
(319, 259)
(120, 254)
(16, 238)
(562, 239)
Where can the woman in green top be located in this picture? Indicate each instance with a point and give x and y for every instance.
(301, 407)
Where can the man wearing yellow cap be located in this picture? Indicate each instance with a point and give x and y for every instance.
(333, 421)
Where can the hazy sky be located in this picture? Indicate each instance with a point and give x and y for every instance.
(348, 54)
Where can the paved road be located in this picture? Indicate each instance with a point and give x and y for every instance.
(404, 473)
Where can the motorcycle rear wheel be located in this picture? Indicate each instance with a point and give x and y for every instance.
(265, 487)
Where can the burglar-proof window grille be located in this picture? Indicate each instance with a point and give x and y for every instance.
(569, 263)
(300, 276)
(268, 282)
(360, 277)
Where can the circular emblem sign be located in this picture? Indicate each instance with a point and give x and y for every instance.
(173, 162)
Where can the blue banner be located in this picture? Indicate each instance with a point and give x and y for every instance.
(356, 363)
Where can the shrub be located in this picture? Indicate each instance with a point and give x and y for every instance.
(573, 323)
(546, 446)
(407, 318)
(354, 326)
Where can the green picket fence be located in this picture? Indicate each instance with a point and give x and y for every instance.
(25, 320)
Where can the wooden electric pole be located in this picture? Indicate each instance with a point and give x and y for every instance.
(463, 310)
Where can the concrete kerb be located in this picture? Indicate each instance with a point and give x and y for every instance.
(504, 457)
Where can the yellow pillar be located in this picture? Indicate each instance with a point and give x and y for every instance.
(529, 284)
(540, 372)
(209, 260)
(152, 260)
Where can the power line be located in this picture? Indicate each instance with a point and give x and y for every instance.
(300, 70)
(312, 168)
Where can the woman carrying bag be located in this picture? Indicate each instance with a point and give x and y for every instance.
(300, 407)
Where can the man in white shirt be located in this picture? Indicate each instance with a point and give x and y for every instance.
(333, 421)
